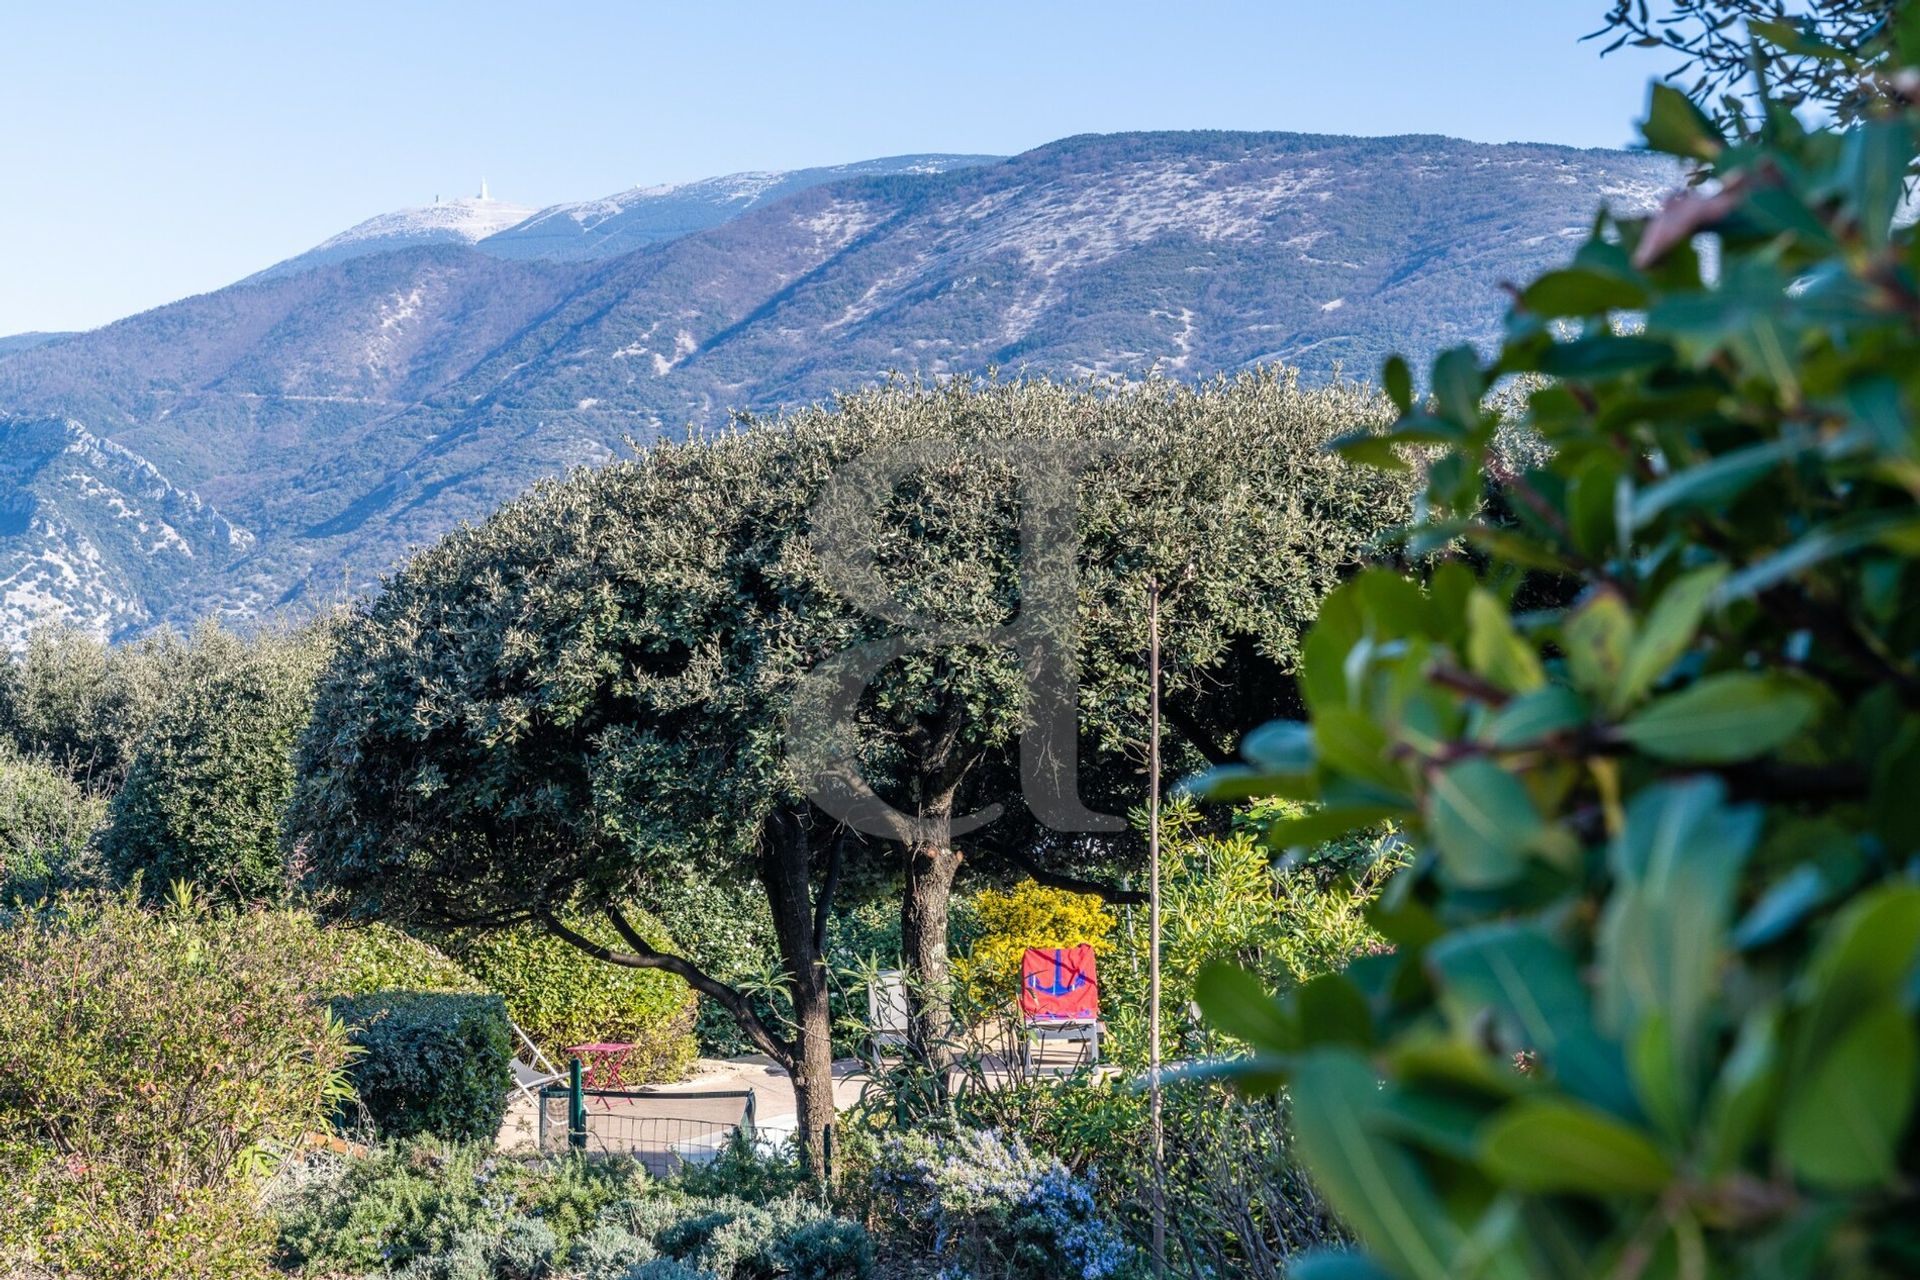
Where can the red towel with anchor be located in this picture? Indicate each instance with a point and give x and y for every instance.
(1059, 983)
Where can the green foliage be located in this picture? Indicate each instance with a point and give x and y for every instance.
(377, 957)
(561, 999)
(409, 1203)
(1820, 55)
(1224, 898)
(992, 1210)
(83, 706)
(47, 822)
(1666, 851)
(155, 1065)
(205, 795)
(826, 1249)
(431, 1063)
(1026, 915)
(579, 700)
(430, 1210)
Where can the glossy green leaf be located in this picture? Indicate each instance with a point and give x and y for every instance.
(1666, 634)
(1397, 378)
(1516, 975)
(1663, 937)
(1235, 1002)
(1330, 1010)
(1376, 1187)
(1458, 385)
(1354, 743)
(1548, 1146)
(1483, 822)
(1842, 1120)
(1596, 638)
(1732, 716)
(1679, 128)
(1533, 717)
(1580, 293)
(1495, 650)
(1744, 1098)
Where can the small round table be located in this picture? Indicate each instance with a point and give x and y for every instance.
(603, 1062)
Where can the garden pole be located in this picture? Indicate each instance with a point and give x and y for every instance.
(1153, 933)
(576, 1108)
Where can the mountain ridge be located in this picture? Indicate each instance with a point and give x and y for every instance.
(350, 412)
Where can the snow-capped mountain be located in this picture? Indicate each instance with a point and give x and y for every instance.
(462, 221)
(91, 532)
(642, 216)
(347, 413)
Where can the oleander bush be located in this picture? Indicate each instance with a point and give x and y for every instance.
(430, 1062)
(1649, 716)
(155, 1066)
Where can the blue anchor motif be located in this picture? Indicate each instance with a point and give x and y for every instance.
(1060, 986)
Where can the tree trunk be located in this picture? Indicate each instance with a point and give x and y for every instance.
(923, 937)
(813, 1074)
(799, 925)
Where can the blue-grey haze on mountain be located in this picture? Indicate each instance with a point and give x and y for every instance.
(157, 151)
(262, 448)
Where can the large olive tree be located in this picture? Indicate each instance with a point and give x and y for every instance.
(622, 675)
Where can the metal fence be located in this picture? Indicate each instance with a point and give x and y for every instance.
(664, 1130)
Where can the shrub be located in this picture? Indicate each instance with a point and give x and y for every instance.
(990, 1209)
(82, 705)
(408, 1204)
(525, 1250)
(830, 1249)
(46, 823)
(204, 797)
(607, 1253)
(559, 999)
(155, 1064)
(667, 1269)
(1655, 737)
(1224, 897)
(1027, 915)
(378, 957)
(431, 1063)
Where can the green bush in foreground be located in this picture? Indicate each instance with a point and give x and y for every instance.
(431, 1062)
(1652, 1008)
(429, 1210)
(153, 1066)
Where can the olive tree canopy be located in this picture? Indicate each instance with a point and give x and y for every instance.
(595, 689)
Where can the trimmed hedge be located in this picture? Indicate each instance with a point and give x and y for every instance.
(561, 997)
(431, 1062)
(379, 957)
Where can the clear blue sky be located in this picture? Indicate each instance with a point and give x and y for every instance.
(149, 151)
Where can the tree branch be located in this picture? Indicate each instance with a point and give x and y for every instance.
(1190, 729)
(1071, 884)
(823, 904)
(644, 956)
